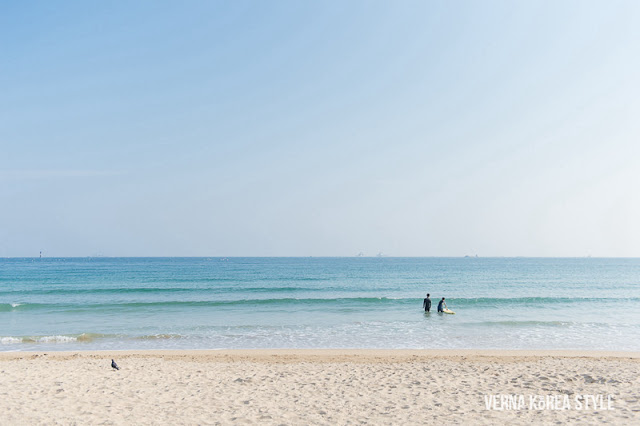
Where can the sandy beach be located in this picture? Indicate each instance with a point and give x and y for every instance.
(320, 387)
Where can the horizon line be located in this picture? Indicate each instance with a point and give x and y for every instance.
(321, 257)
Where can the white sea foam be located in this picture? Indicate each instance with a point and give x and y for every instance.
(15, 305)
(56, 339)
(10, 340)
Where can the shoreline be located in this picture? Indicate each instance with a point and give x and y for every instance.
(344, 355)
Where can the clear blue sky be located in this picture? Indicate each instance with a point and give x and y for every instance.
(294, 128)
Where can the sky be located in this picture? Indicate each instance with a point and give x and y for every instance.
(289, 128)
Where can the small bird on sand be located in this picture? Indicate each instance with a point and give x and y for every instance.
(114, 365)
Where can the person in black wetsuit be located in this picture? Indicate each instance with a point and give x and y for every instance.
(442, 306)
(427, 304)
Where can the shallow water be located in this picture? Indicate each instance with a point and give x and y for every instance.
(209, 303)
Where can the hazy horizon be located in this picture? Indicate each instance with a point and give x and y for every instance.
(277, 129)
(319, 257)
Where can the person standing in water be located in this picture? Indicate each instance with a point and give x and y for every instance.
(427, 304)
(442, 306)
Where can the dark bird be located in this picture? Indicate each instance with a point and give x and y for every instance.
(114, 365)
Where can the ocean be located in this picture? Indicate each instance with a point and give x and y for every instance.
(243, 303)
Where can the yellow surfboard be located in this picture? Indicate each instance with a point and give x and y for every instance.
(448, 311)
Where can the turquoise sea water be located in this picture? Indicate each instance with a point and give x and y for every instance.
(211, 303)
